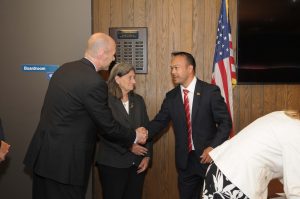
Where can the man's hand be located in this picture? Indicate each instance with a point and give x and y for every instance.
(138, 149)
(3, 150)
(141, 135)
(205, 158)
(143, 165)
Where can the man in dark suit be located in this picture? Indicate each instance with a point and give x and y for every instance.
(200, 119)
(74, 110)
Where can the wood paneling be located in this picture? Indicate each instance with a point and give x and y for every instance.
(188, 25)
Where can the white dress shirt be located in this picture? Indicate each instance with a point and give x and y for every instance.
(191, 89)
(126, 106)
(266, 149)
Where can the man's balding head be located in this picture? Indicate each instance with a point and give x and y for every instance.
(100, 50)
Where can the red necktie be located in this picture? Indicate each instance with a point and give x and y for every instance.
(188, 118)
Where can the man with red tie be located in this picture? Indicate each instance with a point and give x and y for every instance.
(200, 119)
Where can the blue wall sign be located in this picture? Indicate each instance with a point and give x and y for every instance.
(48, 69)
(38, 68)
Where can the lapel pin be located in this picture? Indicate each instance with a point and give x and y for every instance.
(198, 93)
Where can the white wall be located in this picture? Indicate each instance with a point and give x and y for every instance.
(33, 32)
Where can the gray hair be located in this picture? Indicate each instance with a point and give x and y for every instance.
(120, 69)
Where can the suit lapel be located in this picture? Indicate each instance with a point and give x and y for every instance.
(197, 99)
(179, 104)
(120, 107)
(132, 109)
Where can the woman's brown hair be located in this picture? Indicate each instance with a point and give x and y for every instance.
(293, 114)
(120, 70)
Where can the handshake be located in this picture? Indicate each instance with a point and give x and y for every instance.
(141, 135)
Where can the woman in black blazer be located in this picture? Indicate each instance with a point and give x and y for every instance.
(122, 170)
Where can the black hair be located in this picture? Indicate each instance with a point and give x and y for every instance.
(189, 58)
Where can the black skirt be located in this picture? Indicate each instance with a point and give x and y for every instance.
(217, 186)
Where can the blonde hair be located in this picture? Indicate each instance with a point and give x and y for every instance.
(120, 70)
(293, 114)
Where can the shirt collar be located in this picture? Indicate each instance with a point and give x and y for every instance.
(191, 86)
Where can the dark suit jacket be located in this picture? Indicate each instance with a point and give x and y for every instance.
(75, 108)
(211, 122)
(112, 154)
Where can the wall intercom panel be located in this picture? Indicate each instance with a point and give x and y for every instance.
(131, 46)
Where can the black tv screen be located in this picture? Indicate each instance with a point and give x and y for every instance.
(268, 41)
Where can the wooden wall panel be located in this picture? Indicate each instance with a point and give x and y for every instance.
(269, 98)
(150, 78)
(198, 36)
(245, 104)
(116, 13)
(188, 25)
(128, 13)
(104, 15)
(174, 26)
(293, 96)
(256, 102)
(139, 20)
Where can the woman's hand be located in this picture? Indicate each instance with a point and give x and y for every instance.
(138, 149)
(143, 165)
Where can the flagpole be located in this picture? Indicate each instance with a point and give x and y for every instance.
(227, 9)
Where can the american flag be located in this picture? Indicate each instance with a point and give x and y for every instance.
(223, 73)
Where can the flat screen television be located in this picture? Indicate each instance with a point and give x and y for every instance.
(268, 46)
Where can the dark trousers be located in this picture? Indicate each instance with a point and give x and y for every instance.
(121, 183)
(45, 188)
(190, 180)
